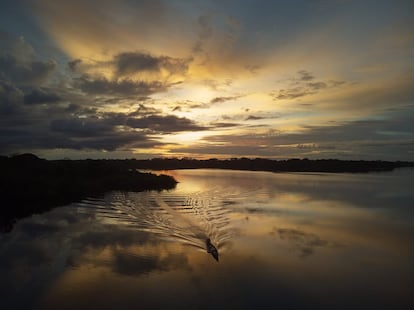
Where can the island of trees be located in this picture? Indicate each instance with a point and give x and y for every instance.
(31, 185)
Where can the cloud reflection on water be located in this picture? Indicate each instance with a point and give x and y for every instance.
(357, 256)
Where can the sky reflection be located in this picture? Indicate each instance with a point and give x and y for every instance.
(298, 241)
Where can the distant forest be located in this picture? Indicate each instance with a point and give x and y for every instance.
(262, 164)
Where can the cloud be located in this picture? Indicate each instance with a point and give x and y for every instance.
(101, 132)
(166, 124)
(293, 93)
(205, 32)
(81, 127)
(391, 94)
(304, 84)
(224, 99)
(253, 69)
(130, 25)
(28, 73)
(225, 125)
(144, 110)
(19, 63)
(10, 97)
(305, 75)
(74, 64)
(253, 118)
(77, 137)
(57, 128)
(128, 63)
(38, 118)
(40, 96)
(136, 62)
(216, 52)
(124, 87)
(16, 45)
(318, 85)
(390, 138)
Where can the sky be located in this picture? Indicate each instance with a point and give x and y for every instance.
(207, 79)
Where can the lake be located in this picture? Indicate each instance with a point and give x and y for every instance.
(284, 240)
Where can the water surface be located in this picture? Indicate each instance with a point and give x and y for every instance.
(290, 241)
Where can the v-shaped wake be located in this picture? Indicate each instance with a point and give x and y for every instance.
(197, 220)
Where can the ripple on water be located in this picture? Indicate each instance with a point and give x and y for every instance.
(189, 219)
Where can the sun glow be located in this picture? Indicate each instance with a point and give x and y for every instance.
(186, 138)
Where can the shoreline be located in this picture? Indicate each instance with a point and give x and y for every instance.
(30, 185)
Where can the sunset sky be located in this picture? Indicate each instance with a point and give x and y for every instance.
(203, 79)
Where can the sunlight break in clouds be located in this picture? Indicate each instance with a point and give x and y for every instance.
(275, 79)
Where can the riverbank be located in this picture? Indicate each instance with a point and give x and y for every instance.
(31, 185)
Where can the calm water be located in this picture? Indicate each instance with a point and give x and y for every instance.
(287, 241)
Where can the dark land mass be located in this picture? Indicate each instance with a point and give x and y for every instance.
(261, 164)
(31, 185)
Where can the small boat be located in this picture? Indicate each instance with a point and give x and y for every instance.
(212, 249)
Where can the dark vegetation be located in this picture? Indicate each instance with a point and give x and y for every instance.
(261, 164)
(31, 185)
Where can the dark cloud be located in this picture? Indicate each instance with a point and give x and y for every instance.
(128, 63)
(135, 62)
(145, 118)
(253, 69)
(253, 118)
(40, 119)
(10, 97)
(293, 93)
(224, 125)
(371, 139)
(125, 87)
(199, 105)
(56, 130)
(205, 32)
(317, 85)
(188, 105)
(101, 133)
(74, 64)
(144, 110)
(228, 149)
(169, 123)
(25, 73)
(224, 99)
(335, 83)
(81, 127)
(39, 96)
(301, 86)
(305, 75)
(110, 141)
(73, 107)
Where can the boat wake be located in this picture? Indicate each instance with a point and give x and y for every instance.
(199, 220)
